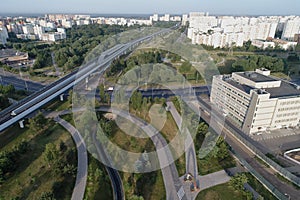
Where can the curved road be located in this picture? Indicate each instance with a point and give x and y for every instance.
(173, 185)
(79, 190)
(118, 191)
(249, 156)
(82, 162)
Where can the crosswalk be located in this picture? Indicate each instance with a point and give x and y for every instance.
(180, 193)
(269, 136)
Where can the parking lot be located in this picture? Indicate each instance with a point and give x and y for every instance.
(278, 141)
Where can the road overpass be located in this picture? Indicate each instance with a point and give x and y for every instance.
(19, 111)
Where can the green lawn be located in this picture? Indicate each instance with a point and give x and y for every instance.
(170, 129)
(131, 143)
(57, 105)
(220, 192)
(33, 176)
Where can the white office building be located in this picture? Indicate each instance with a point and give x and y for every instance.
(257, 101)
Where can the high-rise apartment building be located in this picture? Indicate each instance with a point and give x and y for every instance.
(291, 28)
(3, 35)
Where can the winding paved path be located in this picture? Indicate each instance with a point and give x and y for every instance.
(190, 153)
(174, 187)
(82, 162)
(206, 181)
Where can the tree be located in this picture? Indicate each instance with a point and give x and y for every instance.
(69, 170)
(4, 102)
(106, 127)
(145, 106)
(223, 150)
(135, 197)
(70, 97)
(1, 177)
(238, 181)
(51, 154)
(202, 128)
(102, 93)
(98, 173)
(37, 123)
(62, 146)
(258, 61)
(6, 162)
(47, 196)
(136, 100)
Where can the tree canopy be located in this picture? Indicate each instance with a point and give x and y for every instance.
(253, 62)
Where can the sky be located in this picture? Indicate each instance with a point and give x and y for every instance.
(228, 7)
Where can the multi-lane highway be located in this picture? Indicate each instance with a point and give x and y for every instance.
(28, 105)
(20, 84)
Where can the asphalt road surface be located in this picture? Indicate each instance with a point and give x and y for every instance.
(268, 173)
(82, 163)
(20, 84)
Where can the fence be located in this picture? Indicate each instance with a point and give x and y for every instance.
(260, 178)
(282, 171)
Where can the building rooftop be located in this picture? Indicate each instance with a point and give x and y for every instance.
(242, 87)
(256, 77)
(286, 89)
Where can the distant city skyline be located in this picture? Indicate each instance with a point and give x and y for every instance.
(219, 7)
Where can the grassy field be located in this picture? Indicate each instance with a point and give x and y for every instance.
(170, 129)
(43, 79)
(57, 105)
(220, 192)
(33, 176)
(131, 143)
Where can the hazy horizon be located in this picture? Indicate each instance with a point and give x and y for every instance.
(136, 7)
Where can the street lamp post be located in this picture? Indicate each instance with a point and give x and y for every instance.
(287, 195)
(26, 86)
